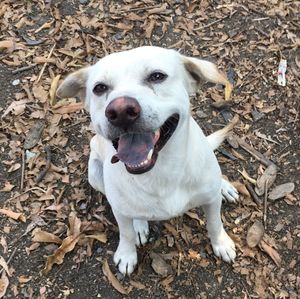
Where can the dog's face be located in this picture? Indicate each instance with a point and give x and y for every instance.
(138, 99)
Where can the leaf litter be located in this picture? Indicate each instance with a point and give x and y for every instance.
(247, 41)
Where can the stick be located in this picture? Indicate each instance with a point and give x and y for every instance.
(48, 164)
(215, 22)
(137, 9)
(22, 171)
(10, 258)
(266, 204)
(30, 189)
(23, 68)
(253, 194)
(45, 64)
(256, 154)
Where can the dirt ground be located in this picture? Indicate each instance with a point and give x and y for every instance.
(54, 214)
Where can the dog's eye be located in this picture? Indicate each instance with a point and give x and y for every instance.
(100, 88)
(156, 77)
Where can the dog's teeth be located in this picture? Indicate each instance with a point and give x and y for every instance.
(149, 156)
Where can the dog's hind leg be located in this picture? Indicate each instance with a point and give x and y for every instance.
(229, 193)
(221, 243)
(141, 229)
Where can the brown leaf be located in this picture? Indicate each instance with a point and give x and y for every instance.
(67, 245)
(13, 215)
(281, 191)
(100, 237)
(43, 236)
(7, 187)
(70, 108)
(112, 279)
(255, 234)
(4, 265)
(266, 179)
(159, 265)
(16, 108)
(247, 176)
(34, 134)
(14, 167)
(4, 282)
(53, 89)
(273, 254)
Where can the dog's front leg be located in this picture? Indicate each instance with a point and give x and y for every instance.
(126, 256)
(222, 244)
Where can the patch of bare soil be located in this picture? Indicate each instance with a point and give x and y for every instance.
(57, 235)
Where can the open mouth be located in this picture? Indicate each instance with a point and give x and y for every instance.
(139, 151)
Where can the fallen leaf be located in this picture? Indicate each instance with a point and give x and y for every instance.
(281, 191)
(34, 135)
(24, 279)
(13, 215)
(67, 245)
(43, 236)
(16, 108)
(247, 176)
(159, 265)
(266, 179)
(100, 237)
(112, 279)
(4, 282)
(53, 89)
(14, 167)
(4, 265)
(255, 234)
(7, 187)
(70, 108)
(273, 254)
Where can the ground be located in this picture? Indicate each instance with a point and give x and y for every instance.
(247, 39)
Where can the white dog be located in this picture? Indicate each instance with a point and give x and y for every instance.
(149, 157)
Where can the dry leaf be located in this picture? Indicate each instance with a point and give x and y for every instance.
(43, 236)
(7, 187)
(247, 176)
(159, 265)
(16, 108)
(255, 234)
(281, 191)
(4, 265)
(273, 254)
(34, 135)
(13, 215)
(70, 108)
(112, 279)
(4, 282)
(53, 89)
(14, 167)
(100, 237)
(67, 245)
(266, 179)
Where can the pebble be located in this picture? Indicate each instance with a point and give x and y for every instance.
(16, 82)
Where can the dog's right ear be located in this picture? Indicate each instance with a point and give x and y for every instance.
(74, 85)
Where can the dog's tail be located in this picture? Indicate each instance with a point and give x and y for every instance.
(216, 138)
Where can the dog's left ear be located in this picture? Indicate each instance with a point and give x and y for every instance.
(199, 70)
(74, 85)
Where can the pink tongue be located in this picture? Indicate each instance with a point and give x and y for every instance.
(133, 148)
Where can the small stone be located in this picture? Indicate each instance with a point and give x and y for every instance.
(201, 114)
(83, 1)
(256, 115)
(16, 82)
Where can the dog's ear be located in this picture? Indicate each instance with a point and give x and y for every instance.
(74, 85)
(199, 70)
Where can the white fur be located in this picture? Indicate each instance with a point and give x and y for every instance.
(186, 173)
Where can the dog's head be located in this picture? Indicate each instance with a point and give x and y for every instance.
(139, 98)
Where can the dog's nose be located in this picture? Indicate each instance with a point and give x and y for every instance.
(123, 111)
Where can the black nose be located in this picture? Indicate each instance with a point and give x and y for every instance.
(123, 111)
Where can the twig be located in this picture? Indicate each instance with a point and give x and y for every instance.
(215, 22)
(23, 68)
(48, 164)
(137, 9)
(45, 64)
(10, 258)
(266, 204)
(253, 194)
(30, 189)
(22, 171)
(256, 154)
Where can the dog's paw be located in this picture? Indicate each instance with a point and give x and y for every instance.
(229, 193)
(224, 247)
(141, 229)
(125, 260)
